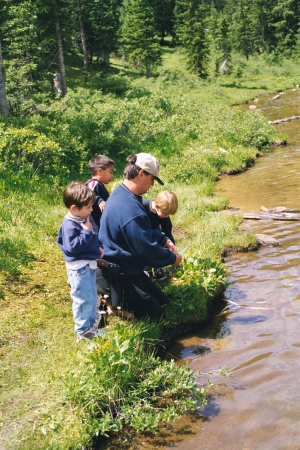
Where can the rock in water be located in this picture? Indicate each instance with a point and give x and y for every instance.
(263, 239)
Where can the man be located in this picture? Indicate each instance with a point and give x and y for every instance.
(129, 241)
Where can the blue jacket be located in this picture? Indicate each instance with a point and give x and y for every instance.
(164, 223)
(77, 243)
(127, 237)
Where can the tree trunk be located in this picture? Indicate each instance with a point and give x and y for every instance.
(286, 119)
(272, 216)
(105, 56)
(148, 69)
(60, 55)
(57, 83)
(82, 35)
(3, 102)
(104, 52)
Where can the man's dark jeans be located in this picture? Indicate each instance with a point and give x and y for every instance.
(142, 296)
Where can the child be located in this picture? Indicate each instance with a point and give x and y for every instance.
(102, 171)
(159, 210)
(80, 246)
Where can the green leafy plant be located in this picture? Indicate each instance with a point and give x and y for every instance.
(193, 287)
(120, 382)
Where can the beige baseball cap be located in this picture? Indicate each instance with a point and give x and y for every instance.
(148, 163)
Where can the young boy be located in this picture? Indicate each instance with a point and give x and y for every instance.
(102, 171)
(80, 246)
(159, 210)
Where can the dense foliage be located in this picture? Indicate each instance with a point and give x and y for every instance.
(192, 289)
(58, 143)
(120, 382)
(37, 37)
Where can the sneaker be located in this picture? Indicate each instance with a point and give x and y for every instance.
(99, 331)
(159, 274)
(91, 334)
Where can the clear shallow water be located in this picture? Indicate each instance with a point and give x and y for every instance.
(258, 406)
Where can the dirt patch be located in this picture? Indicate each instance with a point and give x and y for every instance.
(178, 232)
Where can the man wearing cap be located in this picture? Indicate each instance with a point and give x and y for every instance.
(129, 241)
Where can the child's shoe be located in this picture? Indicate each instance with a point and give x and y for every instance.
(90, 334)
(159, 274)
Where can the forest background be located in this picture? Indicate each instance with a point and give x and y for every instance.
(82, 78)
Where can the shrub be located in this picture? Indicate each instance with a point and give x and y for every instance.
(192, 288)
(121, 383)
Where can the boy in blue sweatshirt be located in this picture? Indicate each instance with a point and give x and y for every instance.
(81, 247)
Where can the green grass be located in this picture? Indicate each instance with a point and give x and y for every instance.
(188, 125)
(260, 75)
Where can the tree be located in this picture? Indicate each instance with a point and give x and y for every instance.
(191, 28)
(3, 101)
(286, 19)
(20, 52)
(139, 37)
(241, 29)
(60, 52)
(82, 36)
(164, 17)
(102, 20)
(56, 21)
(221, 36)
(261, 22)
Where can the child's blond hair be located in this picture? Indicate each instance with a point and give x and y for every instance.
(167, 202)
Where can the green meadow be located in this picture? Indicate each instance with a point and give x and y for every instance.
(57, 394)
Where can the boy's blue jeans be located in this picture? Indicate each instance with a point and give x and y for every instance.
(84, 296)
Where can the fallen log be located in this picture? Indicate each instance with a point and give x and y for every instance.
(286, 119)
(272, 216)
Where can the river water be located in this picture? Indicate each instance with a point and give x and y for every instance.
(258, 405)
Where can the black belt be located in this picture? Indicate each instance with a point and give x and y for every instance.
(103, 263)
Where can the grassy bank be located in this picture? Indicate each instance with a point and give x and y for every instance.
(47, 381)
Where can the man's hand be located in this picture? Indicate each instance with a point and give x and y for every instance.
(87, 225)
(177, 260)
(101, 252)
(169, 244)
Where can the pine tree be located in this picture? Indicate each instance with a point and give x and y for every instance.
(57, 25)
(221, 36)
(101, 20)
(286, 19)
(191, 22)
(241, 28)
(4, 111)
(20, 43)
(261, 11)
(82, 36)
(139, 36)
(164, 17)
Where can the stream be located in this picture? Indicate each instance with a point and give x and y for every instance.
(258, 405)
